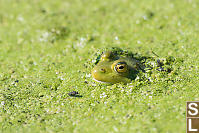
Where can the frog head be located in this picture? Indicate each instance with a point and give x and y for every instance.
(114, 68)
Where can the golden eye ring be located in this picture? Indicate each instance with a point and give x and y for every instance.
(121, 67)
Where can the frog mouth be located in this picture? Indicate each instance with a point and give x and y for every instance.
(101, 81)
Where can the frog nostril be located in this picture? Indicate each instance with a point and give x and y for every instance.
(102, 70)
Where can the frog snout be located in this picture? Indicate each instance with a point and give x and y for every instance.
(96, 71)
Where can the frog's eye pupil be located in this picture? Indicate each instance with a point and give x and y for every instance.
(121, 67)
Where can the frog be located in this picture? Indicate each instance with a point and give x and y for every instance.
(114, 67)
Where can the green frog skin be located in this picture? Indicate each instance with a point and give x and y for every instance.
(113, 68)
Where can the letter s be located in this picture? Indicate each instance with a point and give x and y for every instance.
(192, 108)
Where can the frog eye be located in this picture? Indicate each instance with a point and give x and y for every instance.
(120, 67)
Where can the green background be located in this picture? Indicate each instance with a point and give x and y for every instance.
(45, 44)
